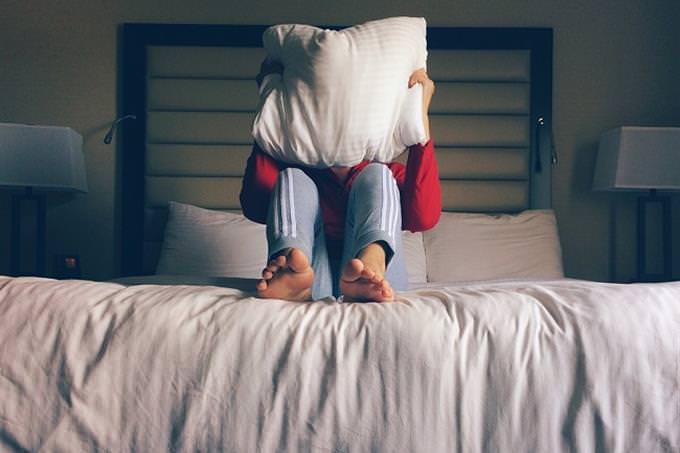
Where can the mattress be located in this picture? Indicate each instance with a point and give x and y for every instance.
(521, 366)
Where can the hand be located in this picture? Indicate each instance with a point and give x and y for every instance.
(268, 67)
(420, 76)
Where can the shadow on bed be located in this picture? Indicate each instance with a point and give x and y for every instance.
(242, 284)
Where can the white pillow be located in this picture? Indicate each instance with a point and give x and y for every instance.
(211, 243)
(414, 257)
(468, 247)
(344, 95)
(223, 244)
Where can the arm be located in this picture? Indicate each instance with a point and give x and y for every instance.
(261, 169)
(421, 195)
(420, 76)
(258, 184)
(421, 192)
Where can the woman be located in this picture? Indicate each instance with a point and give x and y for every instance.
(337, 231)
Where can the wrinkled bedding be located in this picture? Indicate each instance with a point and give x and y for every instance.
(551, 366)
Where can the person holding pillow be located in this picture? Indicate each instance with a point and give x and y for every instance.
(337, 231)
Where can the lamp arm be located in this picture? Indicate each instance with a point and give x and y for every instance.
(109, 135)
(538, 164)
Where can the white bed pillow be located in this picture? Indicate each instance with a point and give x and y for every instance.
(204, 242)
(470, 247)
(414, 257)
(211, 243)
(343, 96)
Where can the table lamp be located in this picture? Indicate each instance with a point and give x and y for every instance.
(643, 159)
(38, 159)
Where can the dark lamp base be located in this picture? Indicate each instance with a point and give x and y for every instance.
(663, 234)
(16, 240)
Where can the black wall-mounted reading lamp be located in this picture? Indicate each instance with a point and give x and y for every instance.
(109, 135)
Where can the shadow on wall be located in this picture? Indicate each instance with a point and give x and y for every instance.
(611, 238)
(584, 169)
(591, 230)
(65, 210)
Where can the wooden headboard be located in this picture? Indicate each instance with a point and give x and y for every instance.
(192, 90)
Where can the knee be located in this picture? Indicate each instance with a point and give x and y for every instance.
(297, 180)
(375, 172)
(294, 173)
(376, 169)
(374, 175)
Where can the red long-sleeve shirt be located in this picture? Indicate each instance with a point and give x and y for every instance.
(418, 184)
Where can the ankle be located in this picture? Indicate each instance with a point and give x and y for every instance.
(283, 252)
(374, 255)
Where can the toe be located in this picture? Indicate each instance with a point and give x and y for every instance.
(261, 285)
(377, 279)
(297, 260)
(280, 261)
(387, 291)
(368, 274)
(267, 274)
(352, 270)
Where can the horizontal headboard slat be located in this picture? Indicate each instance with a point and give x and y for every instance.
(207, 62)
(202, 94)
(479, 65)
(484, 196)
(481, 130)
(199, 127)
(196, 160)
(208, 192)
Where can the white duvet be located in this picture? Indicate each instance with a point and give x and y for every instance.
(555, 366)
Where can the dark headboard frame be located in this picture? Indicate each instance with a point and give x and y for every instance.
(136, 37)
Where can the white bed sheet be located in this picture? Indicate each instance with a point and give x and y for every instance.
(507, 366)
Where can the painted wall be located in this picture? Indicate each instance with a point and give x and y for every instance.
(616, 62)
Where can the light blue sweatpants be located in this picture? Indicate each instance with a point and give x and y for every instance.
(373, 214)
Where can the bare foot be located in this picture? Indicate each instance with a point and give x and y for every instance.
(288, 277)
(363, 278)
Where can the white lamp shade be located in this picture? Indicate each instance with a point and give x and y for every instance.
(43, 157)
(638, 158)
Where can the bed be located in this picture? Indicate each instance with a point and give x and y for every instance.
(528, 362)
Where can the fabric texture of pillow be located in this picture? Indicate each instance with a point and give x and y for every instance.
(472, 247)
(211, 243)
(343, 96)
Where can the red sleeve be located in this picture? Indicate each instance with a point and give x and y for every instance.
(421, 193)
(258, 183)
